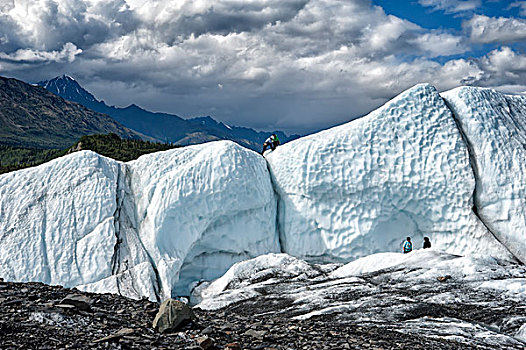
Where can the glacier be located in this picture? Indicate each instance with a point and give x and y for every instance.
(362, 187)
(449, 166)
(469, 302)
(150, 227)
(494, 127)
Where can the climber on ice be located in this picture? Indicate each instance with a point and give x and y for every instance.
(427, 243)
(271, 142)
(408, 246)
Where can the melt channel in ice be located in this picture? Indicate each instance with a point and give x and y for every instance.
(362, 187)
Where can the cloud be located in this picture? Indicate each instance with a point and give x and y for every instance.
(484, 29)
(299, 65)
(519, 4)
(50, 24)
(67, 54)
(451, 6)
(440, 44)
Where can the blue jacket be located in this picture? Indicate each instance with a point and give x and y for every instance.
(408, 246)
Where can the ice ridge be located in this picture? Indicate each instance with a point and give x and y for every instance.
(476, 175)
(495, 125)
(360, 188)
(450, 166)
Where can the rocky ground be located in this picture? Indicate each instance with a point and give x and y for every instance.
(38, 316)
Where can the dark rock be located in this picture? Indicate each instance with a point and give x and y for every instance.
(205, 343)
(444, 278)
(81, 302)
(207, 330)
(233, 346)
(13, 302)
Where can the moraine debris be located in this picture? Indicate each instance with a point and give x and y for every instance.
(115, 336)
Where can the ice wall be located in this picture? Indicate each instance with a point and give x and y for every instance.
(57, 221)
(155, 226)
(201, 209)
(361, 188)
(494, 125)
(151, 227)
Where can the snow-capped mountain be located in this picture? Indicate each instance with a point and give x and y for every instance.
(69, 89)
(446, 166)
(162, 126)
(31, 117)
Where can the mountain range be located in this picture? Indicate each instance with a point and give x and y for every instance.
(33, 117)
(162, 126)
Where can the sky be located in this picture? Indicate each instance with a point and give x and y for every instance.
(293, 65)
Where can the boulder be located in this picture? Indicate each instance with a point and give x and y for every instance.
(444, 278)
(233, 346)
(117, 335)
(172, 313)
(79, 301)
(205, 343)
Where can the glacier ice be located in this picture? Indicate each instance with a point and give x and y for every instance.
(449, 166)
(150, 227)
(57, 221)
(202, 208)
(479, 306)
(255, 277)
(494, 125)
(362, 187)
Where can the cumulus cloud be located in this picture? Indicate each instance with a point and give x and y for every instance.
(441, 44)
(67, 54)
(298, 65)
(451, 6)
(484, 29)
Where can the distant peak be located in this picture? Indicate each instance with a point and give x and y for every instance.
(205, 119)
(65, 76)
(67, 87)
(133, 106)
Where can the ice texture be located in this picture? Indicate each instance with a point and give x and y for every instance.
(158, 225)
(201, 209)
(473, 301)
(150, 227)
(310, 282)
(57, 221)
(494, 125)
(362, 187)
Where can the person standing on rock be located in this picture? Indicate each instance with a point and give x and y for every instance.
(271, 142)
(427, 243)
(408, 246)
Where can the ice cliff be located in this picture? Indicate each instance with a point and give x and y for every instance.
(449, 167)
(150, 227)
(361, 188)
